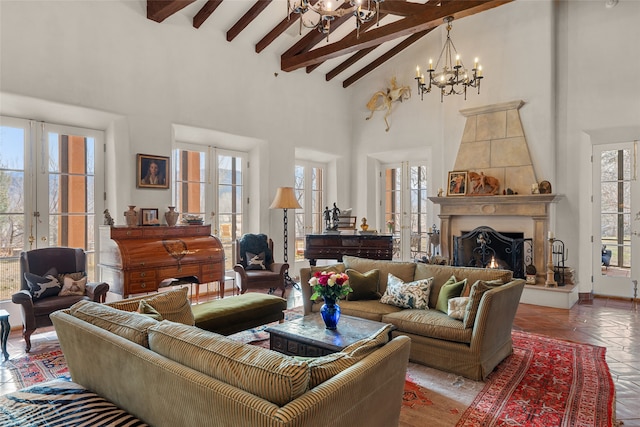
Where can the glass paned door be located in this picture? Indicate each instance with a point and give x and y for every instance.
(309, 189)
(405, 211)
(48, 191)
(616, 227)
(212, 180)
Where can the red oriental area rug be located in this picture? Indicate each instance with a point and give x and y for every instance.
(546, 382)
(36, 368)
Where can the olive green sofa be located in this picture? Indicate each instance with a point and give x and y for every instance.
(437, 340)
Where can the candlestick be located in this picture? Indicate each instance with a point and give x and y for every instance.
(550, 282)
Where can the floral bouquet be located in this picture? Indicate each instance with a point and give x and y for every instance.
(329, 285)
(390, 225)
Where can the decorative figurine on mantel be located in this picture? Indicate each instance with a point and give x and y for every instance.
(483, 185)
(108, 220)
(364, 226)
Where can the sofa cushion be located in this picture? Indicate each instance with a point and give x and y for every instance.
(42, 287)
(146, 309)
(466, 291)
(457, 307)
(172, 305)
(336, 268)
(429, 323)
(441, 273)
(325, 367)
(477, 290)
(132, 326)
(364, 285)
(451, 289)
(264, 373)
(403, 270)
(407, 295)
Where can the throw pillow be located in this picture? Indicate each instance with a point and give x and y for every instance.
(74, 276)
(73, 287)
(172, 305)
(457, 307)
(467, 288)
(451, 289)
(364, 285)
(407, 295)
(42, 287)
(255, 262)
(147, 310)
(477, 290)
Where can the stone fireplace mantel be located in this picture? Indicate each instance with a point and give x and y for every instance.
(534, 206)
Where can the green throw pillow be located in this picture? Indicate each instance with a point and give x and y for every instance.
(364, 285)
(477, 290)
(148, 310)
(451, 289)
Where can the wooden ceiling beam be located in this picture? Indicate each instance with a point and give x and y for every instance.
(248, 17)
(159, 10)
(430, 18)
(402, 8)
(203, 14)
(386, 56)
(291, 19)
(348, 63)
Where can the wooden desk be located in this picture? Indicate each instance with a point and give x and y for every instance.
(335, 246)
(136, 259)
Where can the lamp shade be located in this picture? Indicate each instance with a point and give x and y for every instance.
(285, 199)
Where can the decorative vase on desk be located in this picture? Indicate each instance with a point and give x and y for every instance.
(330, 312)
(131, 216)
(171, 216)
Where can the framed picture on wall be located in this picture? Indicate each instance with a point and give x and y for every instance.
(153, 171)
(457, 183)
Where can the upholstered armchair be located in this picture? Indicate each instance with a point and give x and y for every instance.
(51, 279)
(255, 265)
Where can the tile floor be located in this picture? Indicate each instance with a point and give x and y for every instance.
(609, 323)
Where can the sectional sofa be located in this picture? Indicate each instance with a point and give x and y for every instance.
(471, 346)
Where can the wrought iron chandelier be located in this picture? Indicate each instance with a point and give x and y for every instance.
(454, 79)
(362, 10)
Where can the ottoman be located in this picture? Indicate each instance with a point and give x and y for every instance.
(238, 313)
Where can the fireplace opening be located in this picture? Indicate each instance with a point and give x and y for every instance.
(485, 247)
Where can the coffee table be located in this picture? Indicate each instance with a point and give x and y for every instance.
(308, 336)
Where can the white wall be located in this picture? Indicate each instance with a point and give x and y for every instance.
(574, 63)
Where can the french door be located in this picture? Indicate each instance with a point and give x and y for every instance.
(51, 187)
(616, 228)
(405, 209)
(309, 188)
(211, 183)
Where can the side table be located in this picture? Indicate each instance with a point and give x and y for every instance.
(4, 332)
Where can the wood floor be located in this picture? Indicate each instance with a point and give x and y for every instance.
(604, 322)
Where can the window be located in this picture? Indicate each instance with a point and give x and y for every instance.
(309, 188)
(49, 178)
(405, 209)
(212, 180)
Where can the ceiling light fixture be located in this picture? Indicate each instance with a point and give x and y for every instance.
(326, 14)
(454, 78)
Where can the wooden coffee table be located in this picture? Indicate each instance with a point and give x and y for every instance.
(308, 336)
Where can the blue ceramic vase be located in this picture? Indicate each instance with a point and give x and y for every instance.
(330, 312)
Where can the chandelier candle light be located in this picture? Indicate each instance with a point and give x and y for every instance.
(360, 9)
(454, 77)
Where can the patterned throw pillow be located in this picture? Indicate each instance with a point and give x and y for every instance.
(407, 295)
(42, 287)
(73, 287)
(255, 262)
(364, 285)
(457, 307)
(451, 289)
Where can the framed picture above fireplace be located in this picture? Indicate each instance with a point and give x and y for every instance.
(457, 183)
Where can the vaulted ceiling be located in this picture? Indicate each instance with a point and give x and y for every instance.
(400, 24)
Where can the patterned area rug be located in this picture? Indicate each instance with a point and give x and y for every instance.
(36, 368)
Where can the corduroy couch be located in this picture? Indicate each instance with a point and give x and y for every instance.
(172, 374)
(437, 340)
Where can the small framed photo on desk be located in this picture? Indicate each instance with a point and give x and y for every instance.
(149, 216)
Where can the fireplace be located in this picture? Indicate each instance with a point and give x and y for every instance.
(485, 247)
